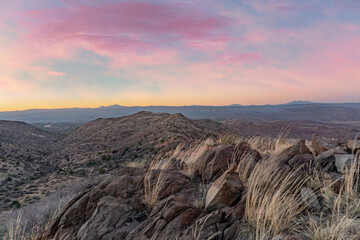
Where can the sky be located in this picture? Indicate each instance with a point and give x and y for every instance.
(89, 53)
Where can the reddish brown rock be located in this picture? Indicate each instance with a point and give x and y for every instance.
(294, 156)
(322, 144)
(225, 191)
(215, 166)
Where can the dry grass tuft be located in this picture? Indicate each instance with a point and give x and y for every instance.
(199, 203)
(273, 200)
(152, 191)
(18, 231)
(136, 164)
(228, 139)
(197, 228)
(161, 164)
(190, 161)
(272, 146)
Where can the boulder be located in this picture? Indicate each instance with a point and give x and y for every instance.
(214, 167)
(225, 191)
(209, 160)
(322, 144)
(294, 156)
(300, 160)
(112, 219)
(344, 162)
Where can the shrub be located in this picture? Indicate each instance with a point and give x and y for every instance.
(15, 204)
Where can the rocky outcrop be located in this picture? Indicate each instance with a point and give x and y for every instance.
(209, 206)
(110, 209)
(116, 208)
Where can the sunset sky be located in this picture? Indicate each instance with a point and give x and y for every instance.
(67, 53)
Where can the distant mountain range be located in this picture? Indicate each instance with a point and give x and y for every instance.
(296, 110)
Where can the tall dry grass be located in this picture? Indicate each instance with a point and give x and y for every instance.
(193, 155)
(272, 146)
(273, 201)
(17, 231)
(161, 164)
(152, 190)
(341, 220)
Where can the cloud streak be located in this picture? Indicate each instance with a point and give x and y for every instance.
(56, 74)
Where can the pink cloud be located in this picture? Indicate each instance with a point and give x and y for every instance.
(56, 74)
(236, 58)
(287, 7)
(123, 25)
(211, 44)
(134, 59)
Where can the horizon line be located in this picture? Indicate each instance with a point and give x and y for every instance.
(193, 105)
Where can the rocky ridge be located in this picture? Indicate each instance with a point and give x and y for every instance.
(167, 201)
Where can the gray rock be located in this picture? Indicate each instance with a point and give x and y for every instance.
(343, 162)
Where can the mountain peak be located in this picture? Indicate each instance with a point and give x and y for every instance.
(299, 102)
